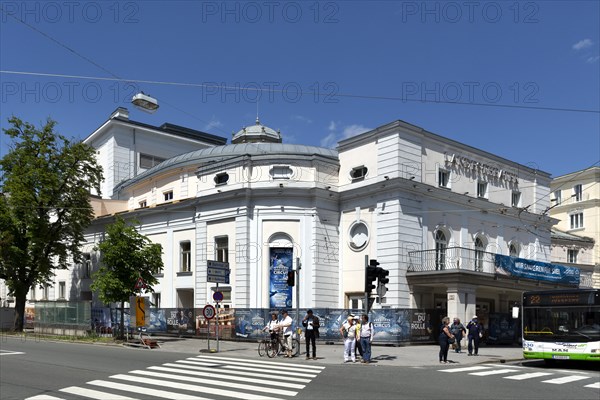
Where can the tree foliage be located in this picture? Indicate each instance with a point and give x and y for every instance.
(125, 255)
(45, 185)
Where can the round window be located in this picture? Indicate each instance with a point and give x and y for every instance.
(359, 236)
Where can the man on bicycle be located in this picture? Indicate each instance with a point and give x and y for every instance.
(285, 326)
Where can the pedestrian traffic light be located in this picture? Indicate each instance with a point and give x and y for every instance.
(371, 275)
(383, 276)
(291, 279)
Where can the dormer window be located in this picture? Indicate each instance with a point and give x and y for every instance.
(143, 204)
(358, 173)
(281, 172)
(168, 196)
(221, 179)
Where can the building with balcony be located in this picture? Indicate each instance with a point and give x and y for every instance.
(576, 235)
(460, 229)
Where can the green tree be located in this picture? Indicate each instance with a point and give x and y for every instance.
(45, 183)
(125, 256)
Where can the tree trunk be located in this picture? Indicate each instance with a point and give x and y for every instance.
(20, 300)
(122, 330)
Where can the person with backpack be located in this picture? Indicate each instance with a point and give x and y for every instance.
(475, 333)
(457, 329)
(348, 332)
(365, 335)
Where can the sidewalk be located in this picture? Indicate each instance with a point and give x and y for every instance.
(405, 356)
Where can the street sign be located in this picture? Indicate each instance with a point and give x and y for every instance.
(140, 311)
(209, 312)
(218, 297)
(140, 284)
(217, 271)
(381, 290)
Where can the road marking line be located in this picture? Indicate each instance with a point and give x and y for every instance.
(493, 372)
(463, 369)
(233, 372)
(44, 397)
(193, 388)
(270, 371)
(213, 382)
(269, 363)
(288, 367)
(511, 366)
(527, 376)
(144, 390)
(10, 352)
(566, 379)
(94, 394)
(269, 382)
(594, 385)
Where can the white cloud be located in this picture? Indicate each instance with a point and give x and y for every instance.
(592, 60)
(334, 136)
(583, 44)
(302, 118)
(353, 130)
(214, 123)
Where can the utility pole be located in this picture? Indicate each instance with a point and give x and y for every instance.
(366, 304)
(298, 267)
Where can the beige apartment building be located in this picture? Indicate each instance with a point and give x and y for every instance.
(576, 204)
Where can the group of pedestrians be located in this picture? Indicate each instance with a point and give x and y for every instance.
(357, 333)
(453, 334)
(281, 330)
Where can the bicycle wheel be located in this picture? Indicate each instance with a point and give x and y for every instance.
(295, 347)
(272, 348)
(262, 348)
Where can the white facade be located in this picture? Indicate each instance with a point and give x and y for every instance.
(394, 194)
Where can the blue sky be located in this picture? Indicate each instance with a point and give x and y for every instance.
(369, 63)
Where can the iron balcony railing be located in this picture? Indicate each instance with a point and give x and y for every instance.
(451, 258)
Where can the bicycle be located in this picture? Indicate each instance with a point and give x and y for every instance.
(280, 349)
(268, 346)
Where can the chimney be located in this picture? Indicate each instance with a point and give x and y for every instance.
(120, 112)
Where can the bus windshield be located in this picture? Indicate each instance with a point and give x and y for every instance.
(562, 324)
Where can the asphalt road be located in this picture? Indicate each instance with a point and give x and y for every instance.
(32, 368)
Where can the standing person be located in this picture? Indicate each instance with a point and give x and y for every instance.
(348, 332)
(358, 349)
(445, 334)
(311, 323)
(365, 335)
(457, 329)
(286, 329)
(475, 333)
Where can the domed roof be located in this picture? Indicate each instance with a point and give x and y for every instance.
(256, 133)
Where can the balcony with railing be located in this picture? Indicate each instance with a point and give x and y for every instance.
(478, 267)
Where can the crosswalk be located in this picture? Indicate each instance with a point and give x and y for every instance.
(198, 378)
(518, 373)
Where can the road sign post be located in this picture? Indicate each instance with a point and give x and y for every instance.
(217, 272)
(209, 313)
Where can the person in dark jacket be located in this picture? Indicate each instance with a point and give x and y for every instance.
(458, 330)
(311, 323)
(445, 334)
(475, 333)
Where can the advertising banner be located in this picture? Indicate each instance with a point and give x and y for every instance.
(530, 269)
(280, 294)
(181, 320)
(249, 323)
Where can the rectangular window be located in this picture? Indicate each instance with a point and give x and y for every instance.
(443, 178)
(143, 204)
(572, 256)
(185, 258)
(482, 189)
(358, 173)
(558, 197)
(62, 289)
(515, 199)
(576, 220)
(46, 294)
(168, 196)
(148, 161)
(578, 192)
(222, 248)
(86, 265)
(156, 300)
(32, 293)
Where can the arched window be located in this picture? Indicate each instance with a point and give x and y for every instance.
(441, 244)
(513, 250)
(479, 252)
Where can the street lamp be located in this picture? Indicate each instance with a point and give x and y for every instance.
(145, 103)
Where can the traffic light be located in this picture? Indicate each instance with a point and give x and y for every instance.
(291, 279)
(383, 277)
(371, 275)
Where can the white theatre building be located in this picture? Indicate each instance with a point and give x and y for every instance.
(431, 210)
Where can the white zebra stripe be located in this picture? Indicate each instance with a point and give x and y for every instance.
(186, 364)
(477, 368)
(270, 363)
(493, 372)
(594, 385)
(248, 368)
(566, 379)
(144, 390)
(289, 367)
(530, 375)
(94, 394)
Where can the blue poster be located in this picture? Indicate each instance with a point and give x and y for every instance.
(280, 294)
(537, 270)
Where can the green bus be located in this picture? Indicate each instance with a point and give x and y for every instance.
(562, 324)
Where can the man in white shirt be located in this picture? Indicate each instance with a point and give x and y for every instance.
(286, 329)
